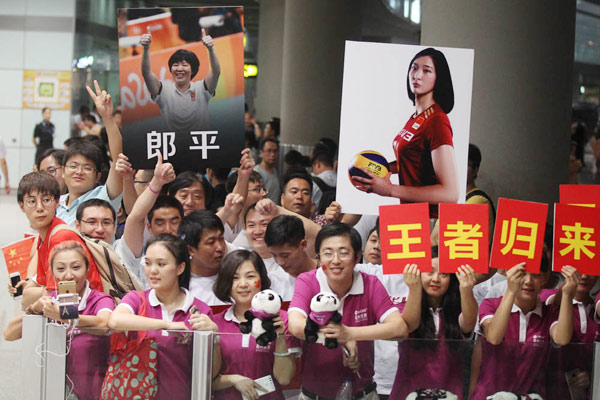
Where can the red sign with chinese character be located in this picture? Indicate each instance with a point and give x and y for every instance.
(580, 195)
(519, 234)
(405, 237)
(576, 238)
(464, 237)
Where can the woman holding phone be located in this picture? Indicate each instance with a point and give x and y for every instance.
(88, 346)
(424, 149)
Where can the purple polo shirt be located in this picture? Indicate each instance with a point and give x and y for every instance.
(87, 360)
(174, 355)
(519, 363)
(366, 303)
(241, 355)
(429, 364)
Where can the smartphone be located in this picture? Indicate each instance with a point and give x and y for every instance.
(67, 287)
(68, 301)
(15, 278)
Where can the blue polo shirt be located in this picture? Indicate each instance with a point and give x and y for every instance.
(67, 214)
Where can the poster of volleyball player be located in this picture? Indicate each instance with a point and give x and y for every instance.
(182, 85)
(404, 136)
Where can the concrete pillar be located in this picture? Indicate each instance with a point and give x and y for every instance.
(270, 55)
(313, 61)
(522, 87)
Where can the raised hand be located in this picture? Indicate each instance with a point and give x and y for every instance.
(412, 276)
(246, 163)
(266, 207)
(466, 277)
(572, 278)
(102, 100)
(233, 203)
(163, 172)
(333, 213)
(146, 38)
(207, 40)
(123, 167)
(515, 277)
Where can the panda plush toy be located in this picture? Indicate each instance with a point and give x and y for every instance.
(323, 309)
(259, 318)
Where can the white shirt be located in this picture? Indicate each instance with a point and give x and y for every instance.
(184, 112)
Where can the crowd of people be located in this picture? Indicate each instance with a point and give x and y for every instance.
(201, 246)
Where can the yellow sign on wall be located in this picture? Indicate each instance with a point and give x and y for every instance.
(47, 89)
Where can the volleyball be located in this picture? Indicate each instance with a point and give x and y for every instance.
(370, 160)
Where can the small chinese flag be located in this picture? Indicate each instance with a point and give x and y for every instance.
(580, 195)
(576, 238)
(17, 256)
(405, 237)
(463, 237)
(519, 234)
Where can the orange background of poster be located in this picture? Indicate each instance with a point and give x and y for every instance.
(469, 214)
(403, 214)
(135, 97)
(588, 218)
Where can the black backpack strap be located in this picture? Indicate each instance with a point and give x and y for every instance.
(321, 184)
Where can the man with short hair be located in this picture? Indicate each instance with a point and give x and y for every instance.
(83, 165)
(297, 192)
(202, 231)
(323, 174)
(286, 241)
(269, 154)
(51, 162)
(367, 315)
(96, 219)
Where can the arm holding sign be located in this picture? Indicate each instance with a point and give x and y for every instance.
(412, 308)
(468, 305)
(494, 328)
(212, 78)
(562, 331)
(152, 82)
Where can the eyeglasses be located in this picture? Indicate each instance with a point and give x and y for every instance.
(51, 170)
(258, 189)
(85, 168)
(47, 201)
(107, 223)
(343, 255)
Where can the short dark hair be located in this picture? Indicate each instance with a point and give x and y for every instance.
(263, 141)
(193, 226)
(179, 250)
(187, 179)
(41, 182)
(45, 108)
(322, 153)
(296, 174)
(231, 263)
(221, 173)
(275, 125)
(250, 208)
(284, 229)
(94, 203)
(339, 229)
(57, 154)
(87, 149)
(164, 201)
(187, 56)
(232, 180)
(443, 91)
(545, 264)
(295, 159)
(474, 155)
(90, 117)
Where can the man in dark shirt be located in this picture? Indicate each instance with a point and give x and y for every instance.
(43, 135)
